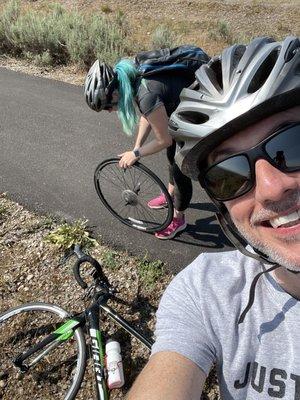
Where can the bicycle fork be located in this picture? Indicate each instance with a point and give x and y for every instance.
(45, 346)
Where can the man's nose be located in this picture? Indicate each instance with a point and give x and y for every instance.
(271, 183)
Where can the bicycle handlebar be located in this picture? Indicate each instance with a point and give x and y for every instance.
(97, 273)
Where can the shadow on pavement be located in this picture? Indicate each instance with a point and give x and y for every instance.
(203, 207)
(205, 232)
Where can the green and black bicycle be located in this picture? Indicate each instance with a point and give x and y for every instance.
(43, 349)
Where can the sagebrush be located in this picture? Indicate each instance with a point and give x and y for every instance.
(59, 36)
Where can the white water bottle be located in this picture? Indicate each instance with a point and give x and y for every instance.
(114, 365)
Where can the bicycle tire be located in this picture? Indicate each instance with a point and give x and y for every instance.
(126, 192)
(19, 327)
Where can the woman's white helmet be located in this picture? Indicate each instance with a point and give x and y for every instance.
(240, 87)
(99, 85)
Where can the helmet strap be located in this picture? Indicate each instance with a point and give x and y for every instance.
(252, 292)
(238, 241)
(232, 235)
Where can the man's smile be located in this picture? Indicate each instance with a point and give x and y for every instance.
(286, 221)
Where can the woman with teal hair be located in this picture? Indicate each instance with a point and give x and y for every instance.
(123, 89)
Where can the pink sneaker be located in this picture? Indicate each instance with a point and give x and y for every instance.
(158, 202)
(177, 225)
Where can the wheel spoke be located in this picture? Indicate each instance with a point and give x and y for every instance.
(140, 182)
(110, 181)
(147, 211)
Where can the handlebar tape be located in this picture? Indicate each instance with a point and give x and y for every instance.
(94, 263)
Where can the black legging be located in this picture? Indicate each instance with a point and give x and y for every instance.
(183, 188)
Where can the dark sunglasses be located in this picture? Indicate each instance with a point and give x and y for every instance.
(235, 175)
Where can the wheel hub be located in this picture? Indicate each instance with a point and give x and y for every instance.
(130, 197)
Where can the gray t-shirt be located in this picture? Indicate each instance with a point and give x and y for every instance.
(197, 317)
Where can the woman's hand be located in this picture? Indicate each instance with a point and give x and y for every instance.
(127, 159)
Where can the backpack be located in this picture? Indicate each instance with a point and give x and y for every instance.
(185, 58)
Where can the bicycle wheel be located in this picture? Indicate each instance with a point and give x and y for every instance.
(126, 192)
(58, 374)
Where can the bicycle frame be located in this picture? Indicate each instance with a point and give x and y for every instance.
(97, 348)
(91, 318)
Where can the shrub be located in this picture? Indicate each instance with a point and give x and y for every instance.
(67, 235)
(7, 19)
(106, 9)
(96, 37)
(38, 34)
(44, 59)
(163, 37)
(110, 37)
(150, 272)
(222, 31)
(59, 37)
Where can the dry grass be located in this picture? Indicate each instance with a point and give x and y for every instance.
(195, 21)
(211, 24)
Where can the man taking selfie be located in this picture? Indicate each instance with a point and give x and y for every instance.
(238, 133)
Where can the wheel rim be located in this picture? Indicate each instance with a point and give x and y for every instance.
(126, 193)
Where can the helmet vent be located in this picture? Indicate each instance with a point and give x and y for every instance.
(263, 72)
(194, 117)
(236, 57)
(292, 50)
(217, 68)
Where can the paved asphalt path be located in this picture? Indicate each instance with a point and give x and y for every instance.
(51, 143)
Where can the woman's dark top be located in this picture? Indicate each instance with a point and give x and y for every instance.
(162, 89)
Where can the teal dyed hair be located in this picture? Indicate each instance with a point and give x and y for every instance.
(126, 74)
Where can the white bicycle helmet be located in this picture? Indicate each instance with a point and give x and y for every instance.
(99, 85)
(242, 86)
(237, 89)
